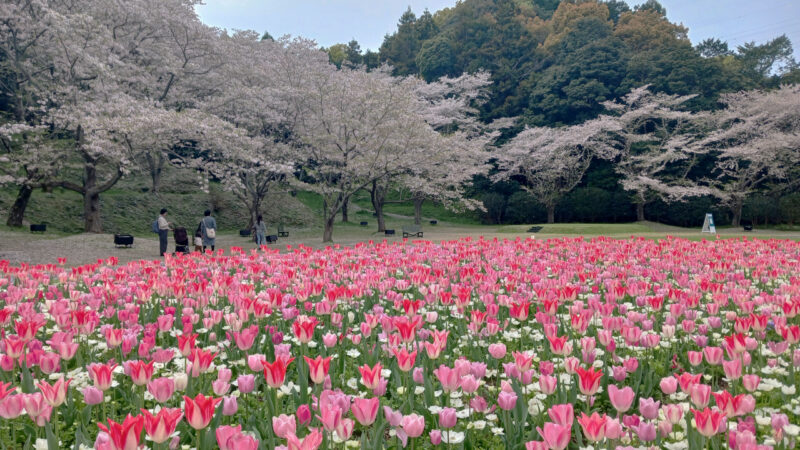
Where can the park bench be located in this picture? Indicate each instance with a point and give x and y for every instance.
(388, 232)
(747, 225)
(282, 231)
(245, 232)
(412, 230)
(123, 240)
(434, 222)
(364, 223)
(38, 227)
(271, 238)
(534, 229)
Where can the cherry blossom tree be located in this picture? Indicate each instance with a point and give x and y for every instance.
(754, 141)
(648, 153)
(552, 161)
(358, 127)
(30, 159)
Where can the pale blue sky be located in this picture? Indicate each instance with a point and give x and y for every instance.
(333, 21)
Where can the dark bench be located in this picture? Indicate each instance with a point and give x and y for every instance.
(747, 225)
(412, 230)
(282, 231)
(245, 232)
(364, 223)
(388, 232)
(123, 240)
(534, 229)
(434, 222)
(38, 227)
(272, 238)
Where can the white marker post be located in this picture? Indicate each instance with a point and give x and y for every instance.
(708, 224)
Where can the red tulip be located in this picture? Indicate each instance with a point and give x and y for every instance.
(303, 328)
(186, 343)
(275, 373)
(140, 371)
(405, 360)
(594, 426)
(201, 361)
(56, 394)
(318, 368)
(101, 375)
(161, 426)
(125, 435)
(200, 410)
(370, 376)
(588, 380)
(708, 421)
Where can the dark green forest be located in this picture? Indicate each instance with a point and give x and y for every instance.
(554, 62)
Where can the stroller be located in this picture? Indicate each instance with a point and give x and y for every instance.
(181, 240)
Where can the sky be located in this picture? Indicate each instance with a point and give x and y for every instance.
(338, 21)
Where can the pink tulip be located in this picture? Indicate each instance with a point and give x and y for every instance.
(447, 418)
(646, 431)
(283, 425)
(732, 369)
(395, 418)
(92, 395)
(669, 385)
(751, 382)
(365, 410)
(621, 399)
(701, 394)
(330, 416)
(555, 436)
(449, 378)
(547, 384)
(229, 406)
(648, 408)
(12, 406)
(304, 415)
(562, 414)
(497, 350)
(161, 389)
(436, 437)
(507, 400)
(673, 413)
(413, 425)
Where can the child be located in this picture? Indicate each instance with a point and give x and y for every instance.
(198, 240)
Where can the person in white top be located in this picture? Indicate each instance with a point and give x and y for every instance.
(163, 231)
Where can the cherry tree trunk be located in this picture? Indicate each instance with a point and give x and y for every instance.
(17, 212)
(255, 210)
(736, 209)
(640, 212)
(418, 211)
(91, 212)
(378, 198)
(345, 218)
(327, 232)
(551, 213)
(91, 201)
(156, 166)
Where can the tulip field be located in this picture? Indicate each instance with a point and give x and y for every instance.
(473, 343)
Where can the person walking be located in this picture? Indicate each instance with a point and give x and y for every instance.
(209, 228)
(163, 231)
(261, 231)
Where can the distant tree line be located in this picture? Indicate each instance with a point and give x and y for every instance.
(554, 63)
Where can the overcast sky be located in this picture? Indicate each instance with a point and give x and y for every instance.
(334, 21)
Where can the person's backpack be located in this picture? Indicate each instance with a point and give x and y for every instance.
(155, 226)
(211, 233)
